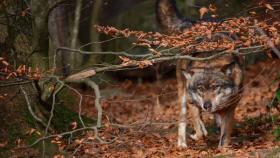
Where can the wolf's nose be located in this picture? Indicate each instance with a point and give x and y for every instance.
(207, 105)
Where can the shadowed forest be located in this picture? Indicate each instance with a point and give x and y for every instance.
(97, 78)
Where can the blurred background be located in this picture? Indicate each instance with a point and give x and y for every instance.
(31, 30)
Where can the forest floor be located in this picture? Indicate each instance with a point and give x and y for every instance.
(141, 119)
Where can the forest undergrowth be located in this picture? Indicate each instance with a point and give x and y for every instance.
(142, 120)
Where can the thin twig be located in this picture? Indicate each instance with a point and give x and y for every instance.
(15, 83)
(94, 86)
(99, 42)
(177, 57)
(61, 84)
(30, 107)
(80, 104)
(143, 124)
(269, 41)
(62, 134)
(102, 53)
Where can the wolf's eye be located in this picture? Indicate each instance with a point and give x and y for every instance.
(200, 88)
(217, 87)
(226, 86)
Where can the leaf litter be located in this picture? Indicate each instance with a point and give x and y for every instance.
(139, 130)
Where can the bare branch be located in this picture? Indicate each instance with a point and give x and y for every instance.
(63, 134)
(80, 104)
(240, 51)
(94, 86)
(80, 76)
(15, 83)
(30, 107)
(269, 41)
(61, 84)
(102, 53)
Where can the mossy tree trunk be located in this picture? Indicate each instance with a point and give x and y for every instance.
(21, 109)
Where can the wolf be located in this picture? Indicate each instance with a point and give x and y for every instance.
(214, 85)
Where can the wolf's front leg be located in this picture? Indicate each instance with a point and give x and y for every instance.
(198, 124)
(227, 119)
(182, 123)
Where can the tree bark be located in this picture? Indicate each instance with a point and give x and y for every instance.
(59, 31)
(40, 37)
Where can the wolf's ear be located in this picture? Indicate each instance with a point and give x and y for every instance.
(234, 72)
(188, 75)
(228, 69)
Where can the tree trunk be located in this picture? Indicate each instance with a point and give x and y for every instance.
(59, 31)
(40, 37)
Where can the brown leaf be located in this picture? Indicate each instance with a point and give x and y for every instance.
(74, 125)
(203, 11)
(5, 63)
(124, 59)
(3, 144)
(31, 131)
(268, 6)
(209, 34)
(58, 156)
(253, 13)
(144, 63)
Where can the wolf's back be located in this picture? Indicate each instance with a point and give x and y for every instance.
(169, 17)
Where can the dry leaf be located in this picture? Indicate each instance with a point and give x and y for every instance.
(203, 11)
(58, 156)
(124, 59)
(31, 131)
(144, 63)
(74, 125)
(5, 63)
(253, 13)
(268, 6)
(3, 144)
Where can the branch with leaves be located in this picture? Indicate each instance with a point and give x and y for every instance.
(205, 36)
(132, 63)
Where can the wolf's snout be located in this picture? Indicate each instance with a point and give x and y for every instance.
(207, 105)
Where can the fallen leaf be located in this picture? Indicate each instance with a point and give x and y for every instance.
(3, 144)
(203, 11)
(268, 6)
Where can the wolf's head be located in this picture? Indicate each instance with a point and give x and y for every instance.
(214, 90)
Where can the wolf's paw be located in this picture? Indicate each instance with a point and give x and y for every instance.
(182, 144)
(224, 143)
(196, 137)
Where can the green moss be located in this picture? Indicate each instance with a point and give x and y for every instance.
(14, 132)
(63, 117)
(276, 133)
(31, 138)
(5, 152)
(50, 148)
(68, 97)
(213, 129)
(29, 119)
